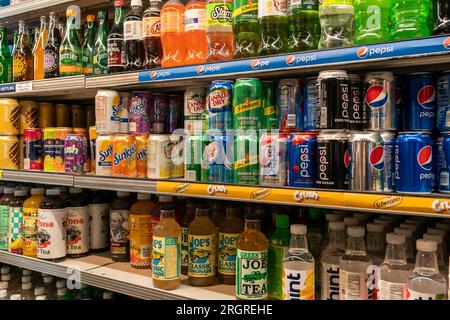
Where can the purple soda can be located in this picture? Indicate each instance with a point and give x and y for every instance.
(75, 154)
(139, 112)
(158, 119)
(174, 114)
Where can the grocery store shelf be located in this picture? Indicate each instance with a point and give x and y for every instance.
(112, 80)
(37, 177)
(115, 184)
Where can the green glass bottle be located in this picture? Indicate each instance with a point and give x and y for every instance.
(88, 46)
(23, 56)
(5, 57)
(100, 54)
(70, 52)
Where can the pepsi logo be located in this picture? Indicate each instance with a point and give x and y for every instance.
(426, 97)
(446, 43)
(255, 64)
(362, 52)
(290, 60)
(377, 158)
(153, 74)
(200, 69)
(376, 96)
(346, 158)
(425, 158)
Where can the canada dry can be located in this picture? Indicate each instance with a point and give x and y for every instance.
(357, 114)
(332, 160)
(379, 88)
(220, 105)
(124, 106)
(247, 104)
(218, 156)
(141, 157)
(195, 168)
(366, 169)
(269, 105)
(124, 162)
(159, 152)
(158, 118)
(177, 155)
(272, 159)
(107, 105)
(29, 114)
(288, 104)
(10, 116)
(195, 110)
(9, 152)
(139, 112)
(301, 155)
(443, 102)
(310, 112)
(174, 113)
(33, 150)
(333, 88)
(246, 160)
(75, 153)
(443, 162)
(389, 161)
(103, 155)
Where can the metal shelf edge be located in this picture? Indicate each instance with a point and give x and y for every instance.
(38, 177)
(115, 184)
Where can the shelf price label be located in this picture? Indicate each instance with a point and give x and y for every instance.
(24, 86)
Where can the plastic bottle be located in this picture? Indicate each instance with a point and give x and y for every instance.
(77, 224)
(152, 34)
(98, 210)
(350, 222)
(39, 50)
(15, 234)
(120, 229)
(387, 225)
(315, 231)
(246, 28)
(4, 294)
(61, 294)
(443, 233)
(443, 17)
(440, 254)
(30, 216)
(372, 21)
(362, 217)
(273, 26)
(39, 293)
(172, 34)
(219, 30)
(376, 243)
(15, 297)
(116, 44)
(195, 32)
(353, 267)
(298, 267)
(415, 234)
(100, 52)
(5, 202)
(187, 219)
(304, 25)
(409, 19)
(51, 52)
(217, 213)
(133, 35)
(27, 291)
(426, 282)
(49, 287)
(70, 53)
(409, 247)
(6, 62)
(336, 22)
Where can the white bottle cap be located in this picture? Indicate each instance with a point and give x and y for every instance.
(107, 295)
(53, 192)
(354, 231)
(298, 229)
(426, 245)
(336, 225)
(136, 3)
(37, 191)
(406, 232)
(351, 221)
(3, 293)
(3, 285)
(433, 237)
(409, 226)
(26, 279)
(39, 291)
(6, 277)
(61, 291)
(20, 193)
(48, 279)
(395, 238)
(5, 270)
(15, 297)
(436, 231)
(42, 297)
(332, 217)
(442, 226)
(26, 272)
(26, 285)
(374, 227)
(123, 194)
(60, 284)
(165, 198)
(75, 190)
(144, 196)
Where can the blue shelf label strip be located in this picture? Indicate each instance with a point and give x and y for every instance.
(7, 88)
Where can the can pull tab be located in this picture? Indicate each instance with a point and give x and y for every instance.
(78, 15)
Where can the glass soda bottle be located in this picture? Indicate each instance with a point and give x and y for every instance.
(116, 48)
(23, 56)
(173, 40)
(273, 26)
(409, 19)
(372, 21)
(88, 45)
(30, 215)
(304, 25)
(39, 50)
(442, 26)
(336, 23)
(298, 267)
(219, 30)
(166, 266)
(246, 28)
(70, 53)
(375, 243)
(6, 62)
(195, 32)
(134, 44)
(15, 234)
(100, 52)
(152, 34)
(51, 53)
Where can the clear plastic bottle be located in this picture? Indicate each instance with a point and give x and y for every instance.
(441, 257)
(387, 225)
(219, 30)
(376, 243)
(414, 236)
(337, 23)
(426, 282)
(350, 222)
(362, 217)
(443, 233)
(39, 293)
(27, 291)
(353, 267)
(409, 247)
(395, 269)
(4, 294)
(15, 297)
(49, 287)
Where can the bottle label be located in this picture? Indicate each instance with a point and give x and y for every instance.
(309, 5)
(201, 256)
(120, 232)
(298, 284)
(247, 10)
(275, 271)
(116, 52)
(219, 14)
(391, 290)
(140, 240)
(99, 225)
(132, 30)
(15, 236)
(20, 65)
(152, 27)
(87, 62)
(172, 21)
(51, 61)
(70, 61)
(195, 19)
(166, 258)
(227, 253)
(77, 230)
(184, 247)
(272, 8)
(51, 233)
(415, 295)
(330, 281)
(30, 216)
(4, 227)
(100, 62)
(251, 274)
(353, 285)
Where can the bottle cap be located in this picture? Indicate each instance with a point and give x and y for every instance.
(48, 279)
(3, 293)
(354, 231)
(282, 221)
(37, 191)
(406, 232)
(71, 13)
(107, 295)
(39, 291)
(60, 284)
(123, 194)
(351, 221)
(136, 3)
(144, 196)
(442, 226)
(374, 227)
(165, 198)
(90, 18)
(75, 190)
(26, 279)
(395, 238)
(26, 286)
(15, 297)
(297, 228)
(61, 291)
(436, 231)
(41, 297)
(5, 270)
(9, 190)
(332, 217)
(426, 245)
(26, 272)
(3, 285)
(20, 193)
(6, 277)
(53, 192)
(336, 225)
(434, 237)
(119, 3)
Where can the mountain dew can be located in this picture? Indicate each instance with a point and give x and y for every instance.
(247, 104)
(196, 169)
(246, 162)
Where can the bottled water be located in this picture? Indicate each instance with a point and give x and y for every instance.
(387, 225)
(350, 222)
(443, 233)
(375, 243)
(329, 217)
(362, 217)
(438, 238)
(409, 247)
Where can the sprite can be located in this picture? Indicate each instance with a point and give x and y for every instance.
(247, 110)
(196, 169)
(218, 155)
(269, 105)
(246, 162)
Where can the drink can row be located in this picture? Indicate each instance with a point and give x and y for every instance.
(165, 156)
(443, 162)
(75, 154)
(443, 102)
(10, 116)
(54, 148)
(9, 152)
(33, 150)
(220, 105)
(301, 158)
(420, 104)
(247, 104)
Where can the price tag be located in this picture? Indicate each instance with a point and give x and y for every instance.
(24, 86)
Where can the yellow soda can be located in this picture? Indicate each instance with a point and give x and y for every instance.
(124, 156)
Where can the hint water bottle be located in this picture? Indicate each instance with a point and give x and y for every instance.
(353, 267)
(375, 243)
(336, 22)
(298, 267)
(395, 270)
(425, 282)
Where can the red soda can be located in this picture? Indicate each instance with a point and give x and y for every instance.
(33, 149)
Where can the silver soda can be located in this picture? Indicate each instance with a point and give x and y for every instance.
(159, 154)
(272, 159)
(107, 105)
(389, 160)
(379, 98)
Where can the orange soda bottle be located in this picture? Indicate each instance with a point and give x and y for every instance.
(38, 50)
(172, 34)
(219, 30)
(195, 32)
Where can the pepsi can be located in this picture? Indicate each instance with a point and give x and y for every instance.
(420, 111)
(220, 105)
(414, 162)
(379, 88)
(302, 154)
(218, 158)
(366, 168)
(443, 162)
(388, 138)
(333, 89)
(357, 114)
(310, 112)
(272, 159)
(443, 102)
(399, 104)
(289, 105)
(333, 160)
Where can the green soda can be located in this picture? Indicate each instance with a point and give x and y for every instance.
(196, 169)
(247, 102)
(246, 164)
(269, 105)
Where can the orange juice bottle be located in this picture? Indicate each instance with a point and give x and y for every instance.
(30, 215)
(195, 32)
(39, 50)
(172, 34)
(166, 256)
(140, 231)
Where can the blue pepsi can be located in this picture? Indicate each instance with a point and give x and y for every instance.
(414, 171)
(218, 155)
(420, 111)
(301, 154)
(220, 105)
(388, 138)
(443, 102)
(310, 113)
(443, 162)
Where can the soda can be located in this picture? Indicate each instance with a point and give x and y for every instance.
(247, 104)
(272, 159)
(420, 112)
(301, 157)
(33, 150)
(218, 157)
(61, 135)
(103, 155)
(379, 90)
(175, 113)
(62, 115)
(310, 112)
(78, 116)
(357, 114)
(29, 114)
(196, 169)
(21, 151)
(49, 149)
(107, 106)
(9, 152)
(124, 106)
(269, 105)
(443, 102)
(46, 117)
(195, 110)
(246, 160)
(288, 104)
(124, 156)
(220, 105)
(366, 168)
(414, 165)
(91, 150)
(333, 160)
(87, 161)
(159, 152)
(158, 120)
(75, 150)
(141, 157)
(443, 162)
(10, 116)
(177, 156)
(399, 103)
(139, 112)
(388, 138)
